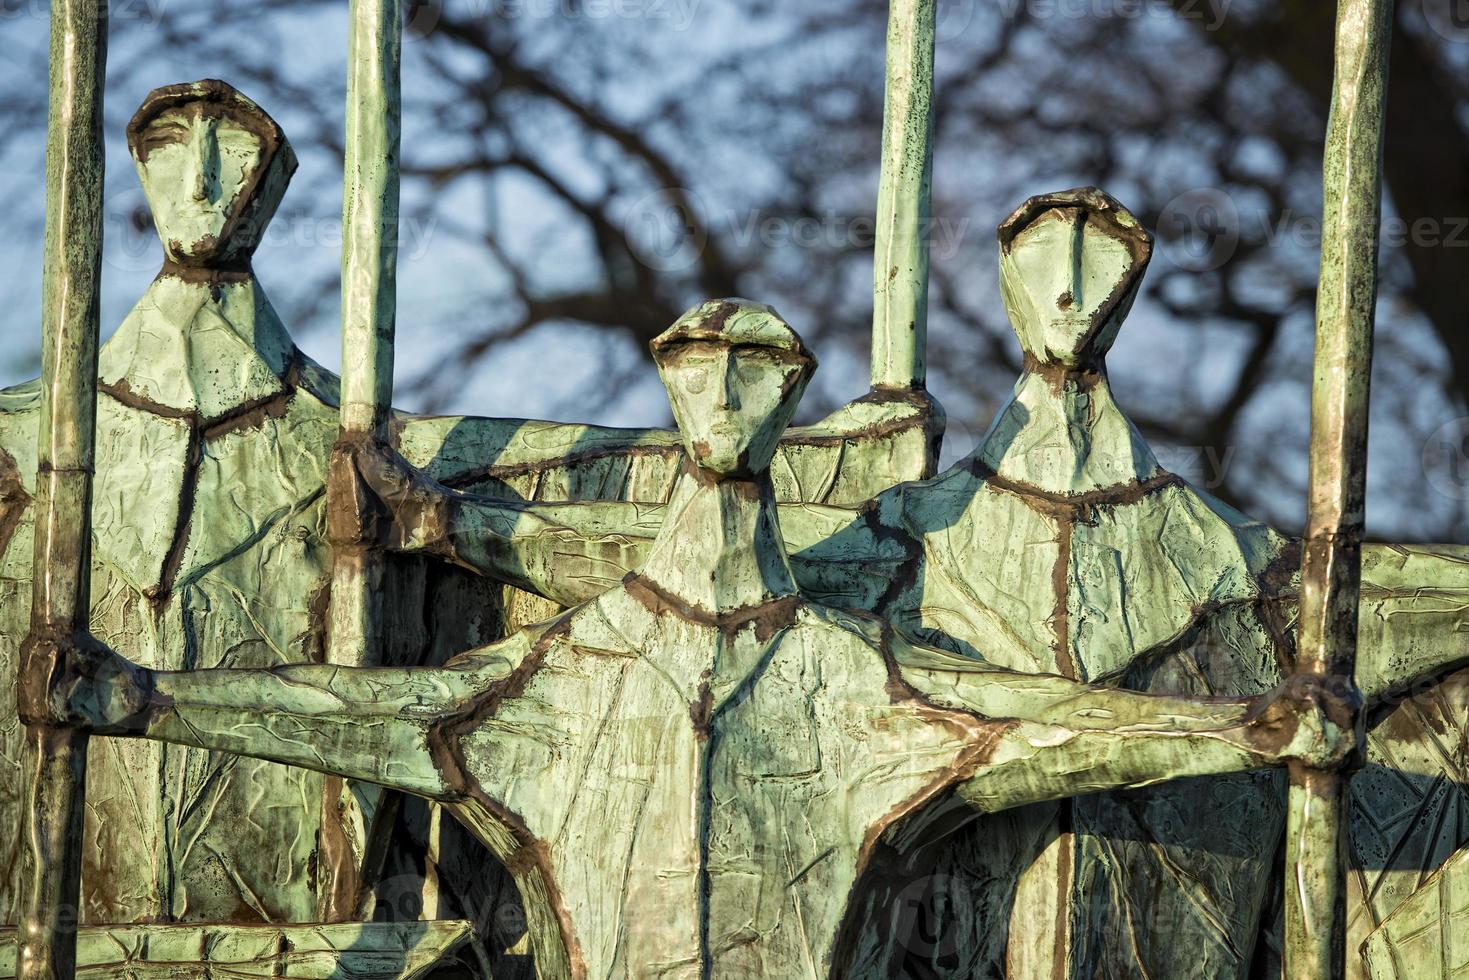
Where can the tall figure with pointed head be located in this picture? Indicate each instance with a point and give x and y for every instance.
(213, 437)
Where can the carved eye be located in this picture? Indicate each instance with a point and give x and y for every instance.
(164, 134)
(237, 141)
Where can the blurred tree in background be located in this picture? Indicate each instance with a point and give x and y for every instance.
(578, 172)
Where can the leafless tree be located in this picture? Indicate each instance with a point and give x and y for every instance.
(578, 172)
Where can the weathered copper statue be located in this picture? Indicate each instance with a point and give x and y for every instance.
(795, 669)
(1058, 546)
(210, 550)
(689, 773)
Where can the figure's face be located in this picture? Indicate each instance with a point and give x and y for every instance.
(196, 167)
(1060, 274)
(731, 403)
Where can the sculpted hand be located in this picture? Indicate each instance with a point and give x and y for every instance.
(390, 504)
(77, 680)
(1311, 720)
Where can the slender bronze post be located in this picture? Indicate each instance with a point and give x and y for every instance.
(1315, 896)
(900, 259)
(54, 759)
(369, 309)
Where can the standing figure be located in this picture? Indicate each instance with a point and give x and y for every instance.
(689, 774)
(1059, 545)
(211, 544)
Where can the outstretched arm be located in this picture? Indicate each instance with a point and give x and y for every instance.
(573, 552)
(566, 552)
(1056, 738)
(378, 725)
(890, 435)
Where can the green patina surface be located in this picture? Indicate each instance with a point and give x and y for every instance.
(345, 951)
(692, 774)
(1059, 545)
(826, 696)
(210, 542)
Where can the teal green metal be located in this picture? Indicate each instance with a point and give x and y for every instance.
(689, 774)
(232, 951)
(369, 311)
(900, 259)
(1316, 845)
(53, 758)
(704, 702)
(370, 215)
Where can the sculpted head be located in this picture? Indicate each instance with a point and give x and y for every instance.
(735, 372)
(1070, 265)
(214, 167)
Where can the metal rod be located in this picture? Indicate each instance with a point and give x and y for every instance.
(900, 260)
(54, 759)
(1315, 899)
(369, 311)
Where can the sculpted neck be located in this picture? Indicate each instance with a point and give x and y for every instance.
(720, 548)
(199, 344)
(1062, 432)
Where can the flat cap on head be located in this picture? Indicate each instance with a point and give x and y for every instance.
(1101, 208)
(735, 323)
(222, 98)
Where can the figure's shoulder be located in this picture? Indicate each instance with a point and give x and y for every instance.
(475, 453)
(23, 397)
(322, 385)
(19, 416)
(20, 411)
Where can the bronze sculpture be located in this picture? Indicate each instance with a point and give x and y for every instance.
(1116, 571)
(688, 773)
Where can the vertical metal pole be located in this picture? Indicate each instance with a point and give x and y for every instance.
(54, 759)
(900, 261)
(1315, 899)
(369, 309)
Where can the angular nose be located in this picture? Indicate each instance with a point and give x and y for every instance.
(729, 389)
(1070, 297)
(204, 158)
